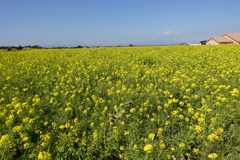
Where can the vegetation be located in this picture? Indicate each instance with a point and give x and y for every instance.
(168, 102)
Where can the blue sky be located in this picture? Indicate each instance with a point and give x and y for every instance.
(115, 22)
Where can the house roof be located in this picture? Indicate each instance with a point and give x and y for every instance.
(234, 36)
(221, 39)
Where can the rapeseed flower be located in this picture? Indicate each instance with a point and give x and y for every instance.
(162, 145)
(148, 148)
(73, 99)
(212, 156)
(121, 148)
(151, 136)
(181, 145)
(17, 129)
(44, 155)
(195, 151)
(212, 137)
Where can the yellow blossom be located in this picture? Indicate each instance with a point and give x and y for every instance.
(61, 127)
(44, 155)
(122, 148)
(162, 145)
(212, 156)
(195, 151)
(181, 145)
(17, 129)
(135, 146)
(148, 148)
(151, 136)
(212, 137)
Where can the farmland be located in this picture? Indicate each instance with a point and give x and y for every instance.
(158, 102)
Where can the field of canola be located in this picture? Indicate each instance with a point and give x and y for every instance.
(163, 102)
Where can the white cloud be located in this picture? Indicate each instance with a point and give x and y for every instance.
(168, 33)
(85, 40)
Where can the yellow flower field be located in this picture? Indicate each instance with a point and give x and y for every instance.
(161, 102)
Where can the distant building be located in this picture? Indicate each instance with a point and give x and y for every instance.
(183, 44)
(203, 42)
(235, 37)
(228, 38)
(194, 44)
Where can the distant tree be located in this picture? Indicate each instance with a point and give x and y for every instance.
(4, 47)
(130, 45)
(19, 47)
(79, 46)
(35, 46)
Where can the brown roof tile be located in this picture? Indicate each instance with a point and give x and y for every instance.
(222, 39)
(234, 36)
